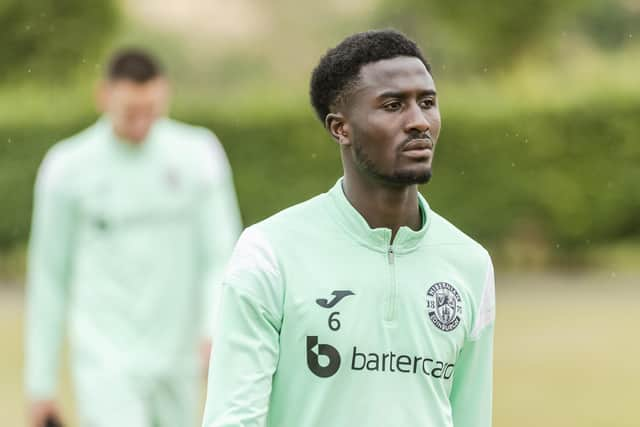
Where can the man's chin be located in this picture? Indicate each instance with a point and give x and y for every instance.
(411, 177)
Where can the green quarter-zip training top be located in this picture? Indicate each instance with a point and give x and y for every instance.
(126, 242)
(327, 322)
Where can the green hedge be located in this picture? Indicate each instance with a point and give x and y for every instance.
(570, 176)
(50, 40)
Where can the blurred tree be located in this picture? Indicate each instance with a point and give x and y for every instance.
(472, 34)
(52, 38)
(611, 23)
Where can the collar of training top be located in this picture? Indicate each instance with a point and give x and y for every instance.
(406, 239)
(104, 128)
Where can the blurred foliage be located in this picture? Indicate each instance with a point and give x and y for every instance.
(469, 35)
(568, 177)
(50, 39)
(537, 155)
(476, 33)
(610, 23)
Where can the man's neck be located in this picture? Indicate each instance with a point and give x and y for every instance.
(383, 205)
(125, 141)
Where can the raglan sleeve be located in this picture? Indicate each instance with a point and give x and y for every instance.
(246, 336)
(219, 225)
(48, 276)
(472, 389)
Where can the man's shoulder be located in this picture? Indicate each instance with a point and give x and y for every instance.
(76, 144)
(292, 223)
(443, 233)
(260, 244)
(68, 155)
(196, 144)
(471, 260)
(180, 132)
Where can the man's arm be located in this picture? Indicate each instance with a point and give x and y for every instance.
(472, 390)
(246, 339)
(50, 249)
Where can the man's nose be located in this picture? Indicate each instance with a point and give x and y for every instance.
(416, 120)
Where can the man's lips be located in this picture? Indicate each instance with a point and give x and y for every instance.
(418, 145)
(418, 149)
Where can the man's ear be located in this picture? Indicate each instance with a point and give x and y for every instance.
(338, 128)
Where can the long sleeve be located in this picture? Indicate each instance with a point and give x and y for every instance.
(219, 226)
(49, 262)
(246, 339)
(472, 389)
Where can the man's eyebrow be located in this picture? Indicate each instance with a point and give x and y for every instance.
(401, 95)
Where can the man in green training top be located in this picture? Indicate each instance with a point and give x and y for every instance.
(134, 220)
(361, 306)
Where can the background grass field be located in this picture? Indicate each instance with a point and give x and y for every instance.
(566, 352)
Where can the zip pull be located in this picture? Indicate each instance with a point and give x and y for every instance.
(391, 255)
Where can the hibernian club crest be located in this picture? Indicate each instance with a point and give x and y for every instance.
(444, 306)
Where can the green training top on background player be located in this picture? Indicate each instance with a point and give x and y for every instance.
(361, 306)
(134, 220)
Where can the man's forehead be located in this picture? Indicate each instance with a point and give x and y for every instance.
(134, 86)
(396, 73)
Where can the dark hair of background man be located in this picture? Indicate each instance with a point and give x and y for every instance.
(133, 64)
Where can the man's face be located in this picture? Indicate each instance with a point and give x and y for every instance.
(133, 107)
(392, 121)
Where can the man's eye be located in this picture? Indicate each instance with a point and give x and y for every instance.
(428, 103)
(392, 106)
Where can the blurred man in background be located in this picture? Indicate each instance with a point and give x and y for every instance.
(361, 306)
(134, 220)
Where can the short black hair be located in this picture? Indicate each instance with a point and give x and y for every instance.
(339, 69)
(133, 64)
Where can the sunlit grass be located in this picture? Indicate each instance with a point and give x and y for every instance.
(563, 353)
(13, 406)
(616, 257)
(13, 263)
